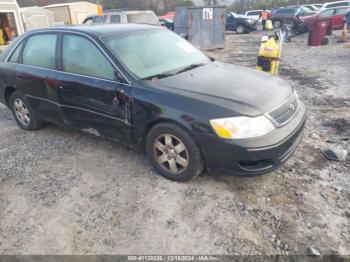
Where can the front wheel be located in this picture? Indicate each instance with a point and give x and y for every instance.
(173, 152)
(277, 24)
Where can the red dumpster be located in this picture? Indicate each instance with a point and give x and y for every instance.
(319, 30)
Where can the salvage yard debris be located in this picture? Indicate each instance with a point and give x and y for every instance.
(335, 154)
(313, 251)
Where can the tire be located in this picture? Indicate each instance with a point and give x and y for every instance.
(325, 41)
(168, 147)
(240, 29)
(277, 24)
(23, 113)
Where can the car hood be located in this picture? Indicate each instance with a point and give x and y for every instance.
(243, 16)
(246, 91)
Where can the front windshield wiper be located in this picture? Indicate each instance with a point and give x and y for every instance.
(190, 67)
(164, 75)
(158, 76)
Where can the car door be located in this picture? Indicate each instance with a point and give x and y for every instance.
(338, 18)
(327, 13)
(229, 22)
(36, 75)
(92, 97)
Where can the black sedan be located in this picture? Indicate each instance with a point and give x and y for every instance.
(241, 24)
(145, 86)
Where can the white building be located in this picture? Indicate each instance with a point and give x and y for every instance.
(72, 13)
(35, 17)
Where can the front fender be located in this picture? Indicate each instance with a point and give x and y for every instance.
(150, 106)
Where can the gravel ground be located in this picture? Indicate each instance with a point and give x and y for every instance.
(63, 192)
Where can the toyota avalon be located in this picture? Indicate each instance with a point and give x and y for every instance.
(145, 86)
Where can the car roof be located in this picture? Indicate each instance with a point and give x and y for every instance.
(127, 12)
(101, 29)
(336, 2)
(333, 8)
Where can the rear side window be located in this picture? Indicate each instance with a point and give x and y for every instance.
(98, 19)
(115, 19)
(40, 50)
(341, 11)
(81, 56)
(15, 55)
(254, 13)
(286, 11)
(327, 13)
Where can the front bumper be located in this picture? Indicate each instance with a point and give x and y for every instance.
(252, 27)
(253, 156)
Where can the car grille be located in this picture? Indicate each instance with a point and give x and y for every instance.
(284, 113)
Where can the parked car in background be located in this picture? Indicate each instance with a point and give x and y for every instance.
(307, 9)
(311, 7)
(147, 87)
(255, 14)
(168, 23)
(124, 17)
(93, 19)
(286, 15)
(337, 14)
(335, 4)
(239, 23)
(319, 6)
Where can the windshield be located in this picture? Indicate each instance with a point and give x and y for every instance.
(143, 18)
(154, 52)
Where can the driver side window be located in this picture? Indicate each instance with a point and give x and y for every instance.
(81, 56)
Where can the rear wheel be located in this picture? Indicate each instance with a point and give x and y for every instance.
(23, 113)
(173, 152)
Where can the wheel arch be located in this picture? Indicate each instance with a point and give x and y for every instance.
(155, 122)
(9, 90)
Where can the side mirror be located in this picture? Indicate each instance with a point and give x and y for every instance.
(120, 78)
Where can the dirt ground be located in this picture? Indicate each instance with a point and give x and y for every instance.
(64, 192)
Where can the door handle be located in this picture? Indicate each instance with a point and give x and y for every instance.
(118, 99)
(64, 87)
(21, 76)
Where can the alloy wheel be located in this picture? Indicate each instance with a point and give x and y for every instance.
(171, 153)
(277, 24)
(240, 29)
(21, 112)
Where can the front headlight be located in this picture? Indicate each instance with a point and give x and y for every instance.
(242, 127)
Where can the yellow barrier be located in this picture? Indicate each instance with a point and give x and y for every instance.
(269, 56)
(2, 40)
